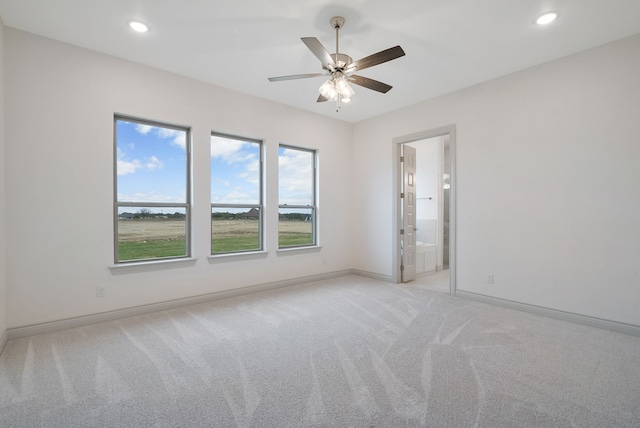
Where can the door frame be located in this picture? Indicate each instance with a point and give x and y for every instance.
(449, 130)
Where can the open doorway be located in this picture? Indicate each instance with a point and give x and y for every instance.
(424, 223)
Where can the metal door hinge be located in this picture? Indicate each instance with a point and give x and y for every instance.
(401, 158)
(401, 231)
(401, 195)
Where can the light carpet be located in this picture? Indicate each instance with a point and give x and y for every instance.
(346, 352)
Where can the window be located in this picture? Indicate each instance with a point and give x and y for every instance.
(236, 194)
(152, 190)
(297, 197)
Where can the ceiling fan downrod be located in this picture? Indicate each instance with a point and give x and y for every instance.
(337, 22)
(344, 91)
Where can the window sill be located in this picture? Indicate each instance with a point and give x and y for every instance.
(288, 251)
(151, 265)
(220, 258)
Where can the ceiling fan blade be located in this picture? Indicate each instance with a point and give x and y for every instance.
(295, 76)
(375, 59)
(320, 52)
(369, 83)
(322, 99)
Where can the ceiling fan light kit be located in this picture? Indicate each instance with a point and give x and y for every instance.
(341, 68)
(337, 89)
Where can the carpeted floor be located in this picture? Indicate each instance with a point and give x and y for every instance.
(347, 352)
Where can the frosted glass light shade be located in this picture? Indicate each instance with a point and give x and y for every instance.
(344, 89)
(328, 90)
(337, 88)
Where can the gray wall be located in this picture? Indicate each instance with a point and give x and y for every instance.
(548, 173)
(60, 103)
(3, 293)
(547, 182)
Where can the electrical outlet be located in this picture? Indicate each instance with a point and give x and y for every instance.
(101, 292)
(490, 279)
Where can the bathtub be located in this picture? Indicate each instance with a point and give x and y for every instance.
(426, 256)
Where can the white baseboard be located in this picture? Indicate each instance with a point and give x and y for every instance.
(3, 340)
(618, 327)
(378, 276)
(52, 326)
(49, 327)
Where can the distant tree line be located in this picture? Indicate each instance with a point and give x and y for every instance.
(295, 216)
(227, 216)
(251, 216)
(144, 213)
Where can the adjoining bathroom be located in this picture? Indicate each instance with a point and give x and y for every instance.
(432, 212)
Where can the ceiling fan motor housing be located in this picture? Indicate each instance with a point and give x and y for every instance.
(337, 22)
(342, 60)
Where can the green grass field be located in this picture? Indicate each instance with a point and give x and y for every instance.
(230, 236)
(152, 238)
(151, 249)
(292, 233)
(234, 244)
(292, 240)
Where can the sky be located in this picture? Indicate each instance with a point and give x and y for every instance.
(152, 167)
(235, 171)
(151, 163)
(295, 176)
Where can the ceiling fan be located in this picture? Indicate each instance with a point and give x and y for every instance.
(340, 69)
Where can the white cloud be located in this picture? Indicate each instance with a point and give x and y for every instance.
(243, 177)
(295, 177)
(130, 166)
(150, 197)
(125, 167)
(154, 163)
(235, 197)
(230, 150)
(144, 129)
(251, 174)
(253, 166)
(178, 137)
(181, 140)
(224, 182)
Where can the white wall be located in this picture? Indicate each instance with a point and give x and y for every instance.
(548, 183)
(427, 172)
(3, 324)
(547, 180)
(60, 102)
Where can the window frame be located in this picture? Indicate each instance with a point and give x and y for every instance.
(259, 206)
(187, 205)
(313, 207)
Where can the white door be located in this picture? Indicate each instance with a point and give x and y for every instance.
(408, 234)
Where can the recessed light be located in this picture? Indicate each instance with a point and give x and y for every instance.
(546, 18)
(138, 26)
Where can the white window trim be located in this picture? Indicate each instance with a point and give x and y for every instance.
(314, 207)
(153, 264)
(186, 205)
(259, 205)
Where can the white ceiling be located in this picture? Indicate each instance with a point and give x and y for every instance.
(449, 44)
